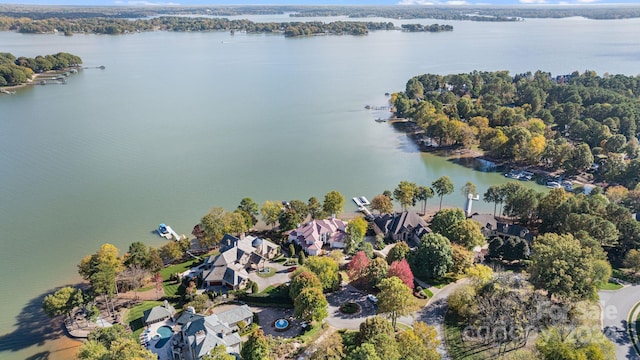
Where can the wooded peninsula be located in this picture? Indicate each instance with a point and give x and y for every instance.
(16, 71)
(569, 123)
(115, 26)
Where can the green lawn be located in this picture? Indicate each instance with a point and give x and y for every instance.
(133, 317)
(610, 286)
(177, 268)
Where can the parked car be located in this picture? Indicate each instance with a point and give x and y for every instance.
(292, 269)
(372, 298)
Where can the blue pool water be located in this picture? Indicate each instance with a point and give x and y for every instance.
(165, 333)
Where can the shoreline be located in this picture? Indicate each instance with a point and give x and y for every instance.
(35, 79)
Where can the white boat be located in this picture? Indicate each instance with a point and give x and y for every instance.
(553, 184)
(358, 202)
(364, 201)
(167, 232)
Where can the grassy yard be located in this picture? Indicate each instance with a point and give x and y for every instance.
(610, 286)
(312, 334)
(133, 317)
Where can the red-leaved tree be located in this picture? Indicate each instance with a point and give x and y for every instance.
(402, 270)
(357, 268)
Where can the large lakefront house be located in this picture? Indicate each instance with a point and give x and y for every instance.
(237, 256)
(312, 236)
(403, 226)
(199, 334)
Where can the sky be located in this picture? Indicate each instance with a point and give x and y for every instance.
(317, 2)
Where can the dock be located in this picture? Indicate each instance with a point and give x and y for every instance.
(362, 203)
(167, 232)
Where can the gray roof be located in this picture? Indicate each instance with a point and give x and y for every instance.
(236, 315)
(234, 277)
(159, 312)
(206, 332)
(398, 223)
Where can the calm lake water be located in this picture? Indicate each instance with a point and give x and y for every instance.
(180, 122)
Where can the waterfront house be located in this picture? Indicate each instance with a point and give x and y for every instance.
(402, 226)
(493, 228)
(312, 236)
(237, 257)
(200, 334)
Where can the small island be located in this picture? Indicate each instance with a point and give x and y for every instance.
(16, 72)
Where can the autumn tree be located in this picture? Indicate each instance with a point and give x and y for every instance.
(632, 260)
(398, 252)
(310, 305)
(357, 267)
(376, 271)
(256, 347)
(218, 353)
(395, 299)
(371, 327)
(442, 186)
(326, 269)
(333, 203)
(303, 279)
(330, 349)
(401, 270)
(356, 229)
(62, 302)
(113, 343)
(467, 233)
(270, 211)
(462, 259)
(419, 343)
(100, 269)
(365, 351)
(405, 193)
(563, 267)
(382, 204)
(444, 221)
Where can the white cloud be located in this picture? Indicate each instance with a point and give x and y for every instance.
(533, 1)
(457, 2)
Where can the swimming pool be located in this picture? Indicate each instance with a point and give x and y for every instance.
(165, 333)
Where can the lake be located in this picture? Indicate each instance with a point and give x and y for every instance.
(178, 123)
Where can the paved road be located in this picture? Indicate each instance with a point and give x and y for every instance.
(433, 313)
(616, 306)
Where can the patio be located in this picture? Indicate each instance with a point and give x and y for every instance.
(158, 338)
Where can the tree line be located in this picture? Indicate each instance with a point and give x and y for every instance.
(15, 71)
(115, 26)
(471, 13)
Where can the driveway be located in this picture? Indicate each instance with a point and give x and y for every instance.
(352, 322)
(616, 306)
(343, 321)
(433, 313)
(281, 276)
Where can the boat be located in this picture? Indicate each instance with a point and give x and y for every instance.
(381, 120)
(513, 174)
(364, 201)
(553, 184)
(358, 202)
(167, 232)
